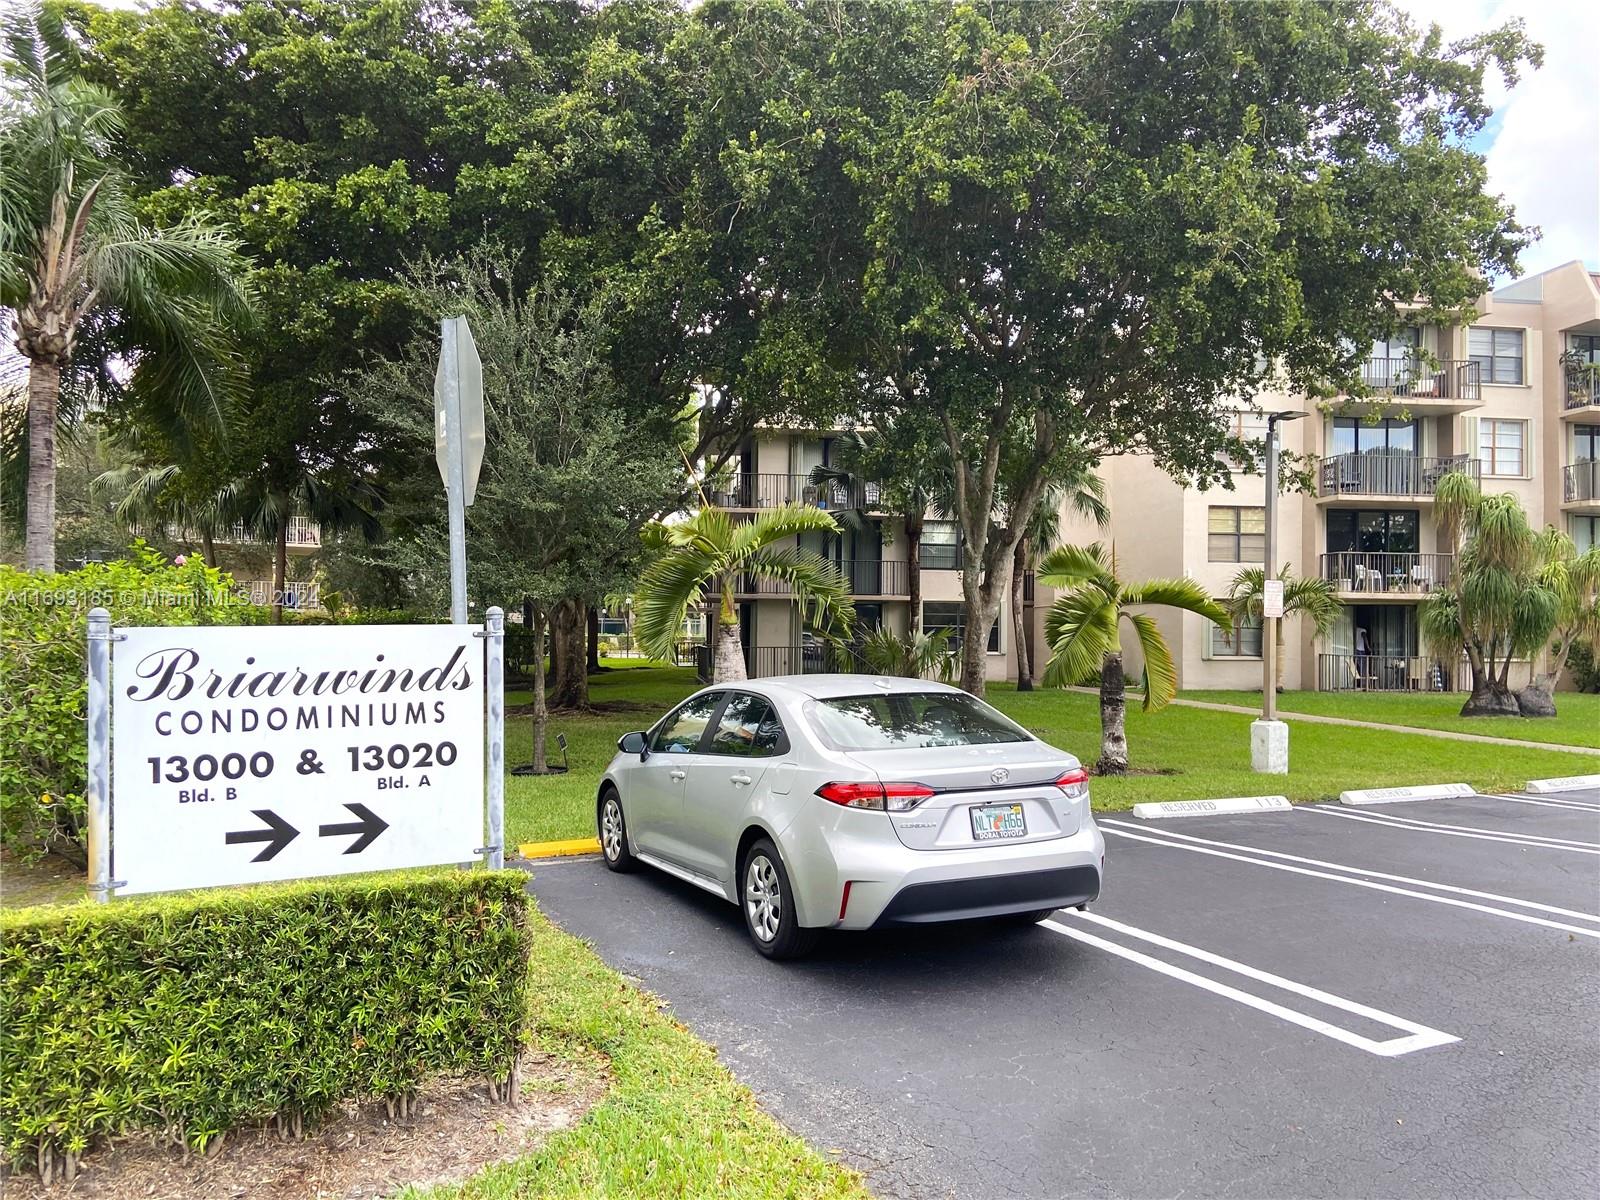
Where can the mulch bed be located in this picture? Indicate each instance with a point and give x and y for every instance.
(357, 1154)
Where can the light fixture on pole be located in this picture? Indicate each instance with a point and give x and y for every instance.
(1269, 737)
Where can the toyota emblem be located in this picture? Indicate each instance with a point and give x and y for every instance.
(999, 775)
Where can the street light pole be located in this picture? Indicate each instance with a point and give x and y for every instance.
(1269, 737)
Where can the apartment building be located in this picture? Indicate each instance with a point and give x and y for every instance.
(1511, 400)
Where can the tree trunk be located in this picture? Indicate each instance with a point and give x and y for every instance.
(594, 643)
(1490, 697)
(1538, 699)
(44, 389)
(1019, 624)
(727, 664)
(558, 652)
(568, 653)
(541, 713)
(1113, 717)
(280, 570)
(208, 547)
(914, 573)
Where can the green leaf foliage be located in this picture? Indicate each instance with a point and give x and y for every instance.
(43, 677)
(192, 1014)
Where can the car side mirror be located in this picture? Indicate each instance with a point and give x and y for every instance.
(633, 743)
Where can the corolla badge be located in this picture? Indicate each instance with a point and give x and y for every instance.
(999, 775)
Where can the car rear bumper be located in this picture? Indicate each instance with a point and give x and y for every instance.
(991, 895)
(893, 885)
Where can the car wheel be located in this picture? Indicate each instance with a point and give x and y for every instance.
(614, 833)
(767, 902)
(1028, 918)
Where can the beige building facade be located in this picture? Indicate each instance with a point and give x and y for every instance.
(1511, 399)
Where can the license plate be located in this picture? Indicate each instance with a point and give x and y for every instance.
(990, 822)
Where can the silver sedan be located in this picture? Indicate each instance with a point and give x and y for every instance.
(852, 802)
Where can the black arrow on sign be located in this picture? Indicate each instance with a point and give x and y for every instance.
(369, 827)
(279, 835)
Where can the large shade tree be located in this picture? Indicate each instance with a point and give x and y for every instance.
(1101, 221)
(75, 243)
(1084, 631)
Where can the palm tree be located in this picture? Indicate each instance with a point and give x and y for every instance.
(1315, 599)
(1574, 578)
(1499, 605)
(1084, 493)
(72, 244)
(916, 656)
(710, 551)
(1084, 632)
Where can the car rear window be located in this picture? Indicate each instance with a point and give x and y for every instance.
(911, 720)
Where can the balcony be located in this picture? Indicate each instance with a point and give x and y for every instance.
(1446, 386)
(753, 490)
(1365, 574)
(1381, 673)
(1582, 390)
(866, 578)
(1580, 483)
(1360, 476)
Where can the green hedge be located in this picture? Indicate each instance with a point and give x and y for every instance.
(43, 676)
(192, 1014)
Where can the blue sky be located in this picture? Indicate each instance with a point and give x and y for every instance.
(1543, 143)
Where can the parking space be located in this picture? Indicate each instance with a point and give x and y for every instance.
(1400, 1000)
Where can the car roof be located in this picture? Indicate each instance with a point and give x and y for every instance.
(821, 687)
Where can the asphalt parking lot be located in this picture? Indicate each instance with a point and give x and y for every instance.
(1400, 1000)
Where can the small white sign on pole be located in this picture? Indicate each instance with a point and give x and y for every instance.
(243, 755)
(1271, 599)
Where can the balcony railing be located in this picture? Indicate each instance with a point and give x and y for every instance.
(1388, 474)
(1448, 379)
(1385, 572)
(763, 662)
(772, 490)
(864, 576)
(1583, 389)
(1381, 673)
(1581, 481)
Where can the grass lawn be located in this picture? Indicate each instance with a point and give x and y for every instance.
(1577, 722)
(1206, 754)
(674, 1123)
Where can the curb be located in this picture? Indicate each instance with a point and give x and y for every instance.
(1206, 808)
(561, 849)
(1394, 795)
(1565, 783)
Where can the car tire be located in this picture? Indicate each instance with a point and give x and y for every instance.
(1028, 918)
(612, 827)
(767, 902)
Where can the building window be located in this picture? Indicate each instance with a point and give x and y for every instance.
(1372, 531)
(1585, 531)
(1354, 435)
(1243, 642)
(1584, 346)
(1236, 534)
(1502, 446)
(1498, 353)
(951, 615)
(1585, 443)
(941, 546)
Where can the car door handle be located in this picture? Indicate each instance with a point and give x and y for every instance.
(677, 773)
(741, 779)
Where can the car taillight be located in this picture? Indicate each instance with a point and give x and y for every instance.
(891, 797)
(1075, 783)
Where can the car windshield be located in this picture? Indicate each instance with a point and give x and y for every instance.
(911, 720)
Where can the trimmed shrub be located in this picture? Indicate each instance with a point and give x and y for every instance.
(193, 1014)
(44, 677)
(1585, 670)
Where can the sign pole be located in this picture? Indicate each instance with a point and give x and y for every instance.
(1269, 625)
(494, 682)
(455, 482)
(99, 783)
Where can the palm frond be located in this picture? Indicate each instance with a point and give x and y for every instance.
(816, 583)
(1068, 566)
(1081, 629)
(1183, 593)
(1160, 672)
(669, 587)
(789, 520)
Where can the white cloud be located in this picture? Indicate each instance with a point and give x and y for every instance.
(1545, 156)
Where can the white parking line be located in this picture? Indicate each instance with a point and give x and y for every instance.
(1549, 802)
(1468, 831)
(1166, 839)
(1418, 1037)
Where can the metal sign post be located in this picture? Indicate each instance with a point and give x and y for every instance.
(99, 783)
(458, 441)
(495, 681)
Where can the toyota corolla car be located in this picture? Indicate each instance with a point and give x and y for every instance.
(852, 802)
